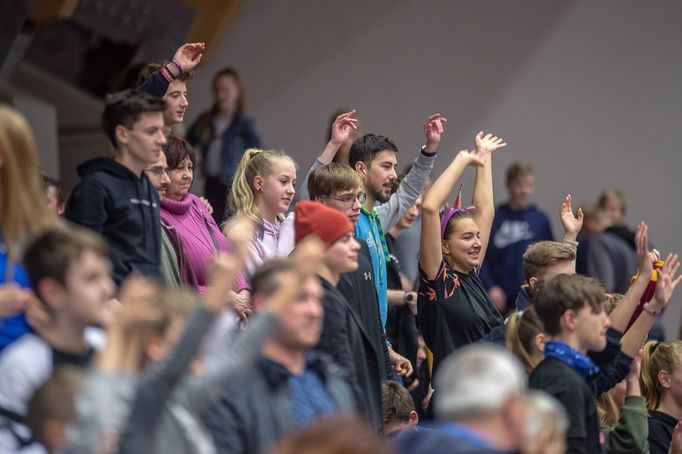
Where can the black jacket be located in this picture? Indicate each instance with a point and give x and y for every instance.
(345, 340)
(256, 411)
(359, 290)
(124, 209)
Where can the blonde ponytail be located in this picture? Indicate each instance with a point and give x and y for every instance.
(522, 328)
(657, 356)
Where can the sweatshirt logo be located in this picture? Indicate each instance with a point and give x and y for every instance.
(511, 232)
(146, 203)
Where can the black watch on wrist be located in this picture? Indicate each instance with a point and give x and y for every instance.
(409, 298)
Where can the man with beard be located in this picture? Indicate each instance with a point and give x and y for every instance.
(374, 158)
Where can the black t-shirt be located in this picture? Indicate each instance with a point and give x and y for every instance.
(661, 426)
(560, 380)
(453, 310)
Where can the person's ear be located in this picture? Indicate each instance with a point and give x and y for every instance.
(663, 379)
(444, 247)
(51, 292)
(568, 320)
(533, 282)
(121, 134)
(361, 168)
(414, 418)
(540, 340)
(258, 183)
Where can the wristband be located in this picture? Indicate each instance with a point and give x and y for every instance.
(177, 65)
(427, 154)
(648, 308)
(166, 74)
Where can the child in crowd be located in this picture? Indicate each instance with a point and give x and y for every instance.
(343, 335)
(398, 408)
(71, 274)
(51, 409)
(263, 189)
(661, 367)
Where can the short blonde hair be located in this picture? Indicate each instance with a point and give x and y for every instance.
(543, 254)
(331, 178)
(613, 195)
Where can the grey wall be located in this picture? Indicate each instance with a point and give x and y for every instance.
(589, 92)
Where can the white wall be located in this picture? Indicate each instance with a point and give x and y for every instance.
(589, 92)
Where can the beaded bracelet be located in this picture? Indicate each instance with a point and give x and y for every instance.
(177, 65)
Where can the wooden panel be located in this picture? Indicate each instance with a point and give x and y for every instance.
(53, 10)
(211, 22)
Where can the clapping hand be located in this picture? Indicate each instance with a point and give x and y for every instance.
(571, 223)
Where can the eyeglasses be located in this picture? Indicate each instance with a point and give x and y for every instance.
(158, 171)
(349, 199)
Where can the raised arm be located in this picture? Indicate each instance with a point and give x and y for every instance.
(571, 223)
(342, 128)
(483, 189)
(430, 253)
(186, 58)
(414, 182)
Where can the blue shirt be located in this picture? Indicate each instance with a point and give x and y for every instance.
(310, 400)
(368, 228)
(12, 328)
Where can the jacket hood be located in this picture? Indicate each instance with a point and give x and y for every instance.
(107, 165)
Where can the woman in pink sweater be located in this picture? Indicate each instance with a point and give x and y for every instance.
(201, 237)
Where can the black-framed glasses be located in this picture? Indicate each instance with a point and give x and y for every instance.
(349, 199)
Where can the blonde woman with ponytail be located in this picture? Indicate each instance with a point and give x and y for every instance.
(526, 338)
(262, 190)
(661, 381)
(23, 215)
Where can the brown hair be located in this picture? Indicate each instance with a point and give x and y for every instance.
(522, 327)
(656, 357)
(150, 68)
(563, 293)
(23, 212)
(396, 402)
(517, 170)
(543, 254)
(331, 178)
(53, 253)
(254, 163)
(613, 195)
(234, 74)
(54, 400)
(177, 150)
(342, 434)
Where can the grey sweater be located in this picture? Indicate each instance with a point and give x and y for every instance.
(408, 191)
(163, 415)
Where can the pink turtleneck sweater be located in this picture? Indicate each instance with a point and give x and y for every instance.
(189, 216)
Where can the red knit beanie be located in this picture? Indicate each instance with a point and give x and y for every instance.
(313, 218)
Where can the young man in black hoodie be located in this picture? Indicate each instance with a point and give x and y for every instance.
(114, 197)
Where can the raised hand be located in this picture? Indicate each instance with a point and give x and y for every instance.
(644, 261)
(667, 280)
(471, 159)
(433, 130)
(189, 55)
(571, 223)
(488, 143)
(342, 127)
